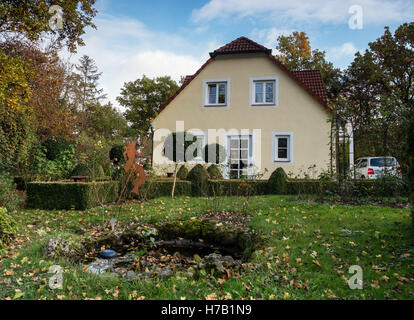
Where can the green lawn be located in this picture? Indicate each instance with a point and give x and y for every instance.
(309, 249)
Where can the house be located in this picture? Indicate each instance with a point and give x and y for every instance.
(265, 115)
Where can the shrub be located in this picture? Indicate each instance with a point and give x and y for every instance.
(199, 180)
(59, 168)
(277, 182)
(81, 169)
(69, 195)
(163, 188)
(239, 187)
(8, 227)
(219, 153)
(99, 172)
(8, 198)
(56, 146)
(389, 186)
(116, 154)
(182, 173)
(214, 172)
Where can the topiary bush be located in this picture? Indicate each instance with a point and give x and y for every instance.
(199, 181)
(277, 182)
(214, 172)
(182, 173)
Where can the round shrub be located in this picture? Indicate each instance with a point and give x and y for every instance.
(214, 172)
(199, 180)
(56, 146)
(116, 154)
(277, 182)
(219, 153)
(182, 173)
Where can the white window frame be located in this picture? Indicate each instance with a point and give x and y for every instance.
(206, 104)
(251, 149)
(275, 147)
(264, 104)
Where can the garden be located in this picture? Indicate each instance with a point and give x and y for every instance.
(211, 238)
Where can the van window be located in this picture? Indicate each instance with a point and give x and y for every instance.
(383, 162)
(363, 163)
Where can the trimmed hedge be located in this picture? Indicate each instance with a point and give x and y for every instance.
(163, 188)
(70, 195)
(241, 187)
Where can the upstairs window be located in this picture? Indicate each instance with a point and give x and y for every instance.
(216, 93)
(264, 92)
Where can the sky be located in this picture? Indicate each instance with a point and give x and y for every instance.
(174, 37)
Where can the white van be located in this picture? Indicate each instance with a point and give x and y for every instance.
(376, 167)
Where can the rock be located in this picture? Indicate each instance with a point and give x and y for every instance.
(100, 266)
(57, 248)
(218, 263)
(131, 276)
(165, 272)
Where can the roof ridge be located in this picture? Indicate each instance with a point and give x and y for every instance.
(240, 45)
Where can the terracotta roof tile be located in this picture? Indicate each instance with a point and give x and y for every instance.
(240, 45)
(313, 80)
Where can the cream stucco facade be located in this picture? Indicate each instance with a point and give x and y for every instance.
(296, 113)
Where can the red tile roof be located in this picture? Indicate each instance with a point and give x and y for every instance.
(310, 80)
(313, 80)
(240, 45)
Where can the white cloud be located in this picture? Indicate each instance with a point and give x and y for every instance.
(125, 49)
(332, 11)
(347, 50)
(268, 37)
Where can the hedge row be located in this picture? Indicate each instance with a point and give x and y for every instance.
(70, 195)
(163, 188)
(238, 187)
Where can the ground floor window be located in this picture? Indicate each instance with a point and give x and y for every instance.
(240, 152)
(282, 147)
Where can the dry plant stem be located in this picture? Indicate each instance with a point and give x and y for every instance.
(175, 180)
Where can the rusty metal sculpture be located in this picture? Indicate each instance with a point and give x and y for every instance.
(132, 168)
